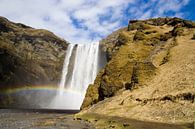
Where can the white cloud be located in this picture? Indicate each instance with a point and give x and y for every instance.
(159, 8)
(84, 21)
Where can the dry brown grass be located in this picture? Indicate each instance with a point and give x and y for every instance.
(168, 95)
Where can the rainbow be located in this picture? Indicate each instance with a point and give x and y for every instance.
(33, 88)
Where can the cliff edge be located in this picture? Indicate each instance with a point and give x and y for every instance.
(150, 74)
(29, 56)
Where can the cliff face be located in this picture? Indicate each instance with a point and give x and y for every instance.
(29, 56)
(150, 73)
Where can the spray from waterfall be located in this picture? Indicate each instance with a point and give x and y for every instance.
(80, 68)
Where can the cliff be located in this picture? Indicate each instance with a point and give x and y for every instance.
(149, 76)
(29, 56)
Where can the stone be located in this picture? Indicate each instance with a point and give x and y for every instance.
(29, 56)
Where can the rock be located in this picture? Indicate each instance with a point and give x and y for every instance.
(178, 31)
(137, 25)
(149, 74)
(112, 126)
(126, 125)
(139, 35)
(29, 56)
(175, 21)
(92, 95)
(193, 37)
(111, 44)
(189, 24)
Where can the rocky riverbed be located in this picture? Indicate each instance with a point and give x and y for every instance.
(56, 119)
(18, 119)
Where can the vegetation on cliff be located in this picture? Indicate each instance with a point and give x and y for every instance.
(29, 56)
(149, 74)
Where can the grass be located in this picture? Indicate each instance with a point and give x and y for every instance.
(110, 122)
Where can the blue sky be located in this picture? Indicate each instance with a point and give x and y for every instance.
(85, 21)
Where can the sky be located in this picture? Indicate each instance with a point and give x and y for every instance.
(86, 21)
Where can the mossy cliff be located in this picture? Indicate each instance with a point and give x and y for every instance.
(29, 56)
(150, 73)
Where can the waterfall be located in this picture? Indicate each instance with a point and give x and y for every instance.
(85, 67)
(65, 68)
(80, 68)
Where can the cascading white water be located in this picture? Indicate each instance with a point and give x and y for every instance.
(85, 67)
(79, 70)
(65, 68)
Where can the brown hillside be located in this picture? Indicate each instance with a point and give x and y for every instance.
(150, 75)
(29, 56)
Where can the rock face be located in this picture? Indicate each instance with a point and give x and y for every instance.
(150, 73)
(29, 56)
